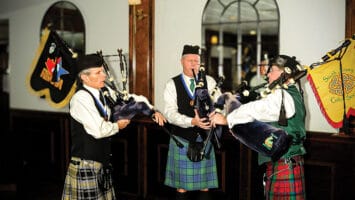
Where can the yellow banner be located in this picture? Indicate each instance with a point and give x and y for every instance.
(326, 82)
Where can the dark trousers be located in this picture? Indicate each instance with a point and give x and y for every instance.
(186, 195)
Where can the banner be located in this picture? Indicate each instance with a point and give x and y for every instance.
(333, 83)
(53, 71)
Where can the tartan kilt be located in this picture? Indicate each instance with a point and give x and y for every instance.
(84, 181)
(181, 173)
(285, 181)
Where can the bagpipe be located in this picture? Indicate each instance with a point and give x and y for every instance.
(203, 103)
(260, 136)
(246, 94)
(123, 104)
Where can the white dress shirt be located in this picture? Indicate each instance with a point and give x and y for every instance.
(171, 106)
(266, 109)
(83, 110)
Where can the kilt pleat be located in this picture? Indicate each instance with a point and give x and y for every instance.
(82, 181)
(185, 174)
(285, 181)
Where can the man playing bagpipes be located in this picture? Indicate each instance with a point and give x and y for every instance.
(182, 171)
(274, 126)
(93, 122)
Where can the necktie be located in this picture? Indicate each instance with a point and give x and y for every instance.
(101, 95)
(192, 85)
(103, 102)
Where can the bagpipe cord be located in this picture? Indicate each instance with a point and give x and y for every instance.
(282, 117)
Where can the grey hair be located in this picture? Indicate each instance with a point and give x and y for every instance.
(84, 72)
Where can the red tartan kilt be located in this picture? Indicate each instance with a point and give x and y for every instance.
(284, 182)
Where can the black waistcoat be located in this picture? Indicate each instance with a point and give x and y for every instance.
(87, 147)
(184, 107)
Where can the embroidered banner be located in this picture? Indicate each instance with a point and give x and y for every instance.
(326, 80)
(53, 71)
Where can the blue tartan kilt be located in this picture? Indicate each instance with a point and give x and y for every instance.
(181, 173)
(87, 179)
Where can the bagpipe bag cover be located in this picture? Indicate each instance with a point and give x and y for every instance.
(263, 138)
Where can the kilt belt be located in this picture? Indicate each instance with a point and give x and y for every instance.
(290, 162)
(284, 179)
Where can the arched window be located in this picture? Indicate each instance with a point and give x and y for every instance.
(237, 36)
(66, 19)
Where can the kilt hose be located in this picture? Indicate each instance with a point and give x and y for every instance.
(87, 179)
(182, 173)
(284, 179)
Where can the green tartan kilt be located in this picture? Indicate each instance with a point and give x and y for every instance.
(83, 181)
(181, 173)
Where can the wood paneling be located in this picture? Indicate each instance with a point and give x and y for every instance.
(42, 136)
(141, 46)
(350, 18)
(139, 157)
(330, 166)
(350, 32)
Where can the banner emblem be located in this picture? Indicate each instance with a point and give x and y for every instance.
(53, 74)
(333, 83)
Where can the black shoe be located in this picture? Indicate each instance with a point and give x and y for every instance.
(182, 196)
(204, 196)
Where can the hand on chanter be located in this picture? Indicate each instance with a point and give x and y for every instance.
(159, 118)
(200, 122)
(122, 123)
(217, 118)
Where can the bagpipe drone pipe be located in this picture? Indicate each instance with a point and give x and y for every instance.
(203, 103)
(246, 94)
(260, 136)
(123, 104)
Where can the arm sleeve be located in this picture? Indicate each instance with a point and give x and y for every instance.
(83, 110)
(171, 108)
(265, 110)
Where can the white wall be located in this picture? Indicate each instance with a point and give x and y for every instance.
(308, 29)
(107, 29)
(309, 32)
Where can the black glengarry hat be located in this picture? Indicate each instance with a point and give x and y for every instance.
(287, 63)
(190, 49)
(290, 65)
(89, 61)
